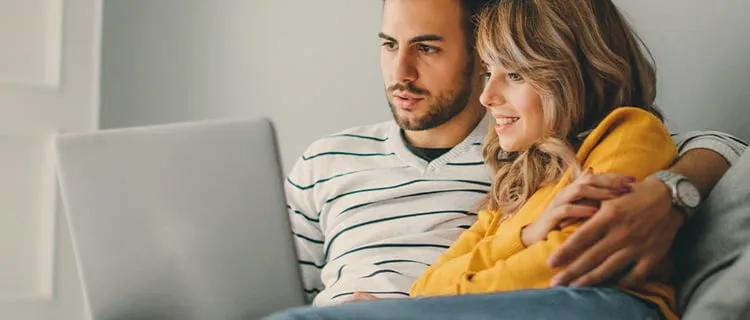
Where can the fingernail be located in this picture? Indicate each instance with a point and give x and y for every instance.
(630, 179)
(552, 262)
(555, 282)
(626, 185)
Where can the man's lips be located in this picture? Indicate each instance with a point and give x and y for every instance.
(407, 95)
(405, 100)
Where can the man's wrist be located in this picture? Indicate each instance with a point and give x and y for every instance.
(703, 167)
(663, 192)
(681, 212)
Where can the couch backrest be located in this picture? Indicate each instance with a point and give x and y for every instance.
(716, 236)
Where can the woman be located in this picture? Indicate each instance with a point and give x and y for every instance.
(569, 88)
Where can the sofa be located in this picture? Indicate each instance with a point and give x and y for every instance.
(712, 252)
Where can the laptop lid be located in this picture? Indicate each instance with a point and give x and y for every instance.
(181, 221)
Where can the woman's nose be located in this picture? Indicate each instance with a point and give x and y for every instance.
(492, 95)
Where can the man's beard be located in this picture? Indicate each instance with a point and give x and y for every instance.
(440, 111)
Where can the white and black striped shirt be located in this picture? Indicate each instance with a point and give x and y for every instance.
(368, 215)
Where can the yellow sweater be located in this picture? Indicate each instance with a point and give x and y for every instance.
(490, 257)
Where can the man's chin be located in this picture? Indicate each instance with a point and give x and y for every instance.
(407, 120)
(411, 123)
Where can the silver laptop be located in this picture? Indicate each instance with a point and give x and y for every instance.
(182, 221)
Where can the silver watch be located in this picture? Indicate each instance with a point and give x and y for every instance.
(684, 194)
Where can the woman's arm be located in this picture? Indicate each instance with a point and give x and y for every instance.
(629, 141)
(477, 272)
(471, 238)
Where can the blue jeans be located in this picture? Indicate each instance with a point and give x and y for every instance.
(555, 303)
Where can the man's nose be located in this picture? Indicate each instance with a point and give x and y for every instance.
(405, 69)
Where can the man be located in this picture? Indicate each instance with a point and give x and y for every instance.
(373, 206)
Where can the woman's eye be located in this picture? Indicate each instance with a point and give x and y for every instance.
(514, 76)
(486, 77)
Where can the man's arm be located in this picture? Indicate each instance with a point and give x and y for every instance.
(638, 229)
(305, 221)
(703, 167)
(725, 145)
(706, 156)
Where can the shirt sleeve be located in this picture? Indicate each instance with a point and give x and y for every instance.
(726, 145)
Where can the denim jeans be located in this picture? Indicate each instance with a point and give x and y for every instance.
(555, 303)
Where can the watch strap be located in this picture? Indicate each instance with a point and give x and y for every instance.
(671, 180)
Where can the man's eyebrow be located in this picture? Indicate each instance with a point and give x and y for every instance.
(386, 37)
(421, 38)
(426, 37)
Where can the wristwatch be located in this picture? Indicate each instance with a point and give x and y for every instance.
(684, 194)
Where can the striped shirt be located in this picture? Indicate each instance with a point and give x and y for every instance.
(368, 215)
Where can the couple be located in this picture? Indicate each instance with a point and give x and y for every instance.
(537, 114)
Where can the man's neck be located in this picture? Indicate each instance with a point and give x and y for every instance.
(449, 134)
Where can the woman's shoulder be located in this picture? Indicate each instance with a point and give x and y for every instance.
(628, 121)
(627, 133)
(629, 118)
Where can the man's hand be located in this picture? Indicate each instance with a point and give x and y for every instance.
(361, 296)
(578, 201)
(635, 230)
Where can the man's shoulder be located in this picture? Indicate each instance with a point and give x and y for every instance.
(367, 136)
(376, 132)
(335, 152)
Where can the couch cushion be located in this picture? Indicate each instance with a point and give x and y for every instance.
(716, 236)
(726, 298)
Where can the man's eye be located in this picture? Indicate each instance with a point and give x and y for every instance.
(428, 49)
(514, 76)
(388, 45)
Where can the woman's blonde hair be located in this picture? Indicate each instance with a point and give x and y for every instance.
(583, 59)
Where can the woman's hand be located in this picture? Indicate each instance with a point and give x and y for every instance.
(362, 296)
(576, 202)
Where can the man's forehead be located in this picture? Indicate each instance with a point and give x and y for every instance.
(405, 19)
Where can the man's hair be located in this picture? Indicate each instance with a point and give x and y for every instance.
(471, 10)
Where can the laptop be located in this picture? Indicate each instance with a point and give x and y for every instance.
(181, 221)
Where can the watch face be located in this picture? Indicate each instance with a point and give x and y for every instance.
(688, 194)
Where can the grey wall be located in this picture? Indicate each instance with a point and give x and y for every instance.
(312, 66)
(702, 51)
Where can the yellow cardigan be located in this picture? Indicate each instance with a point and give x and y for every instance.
(490, 257)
